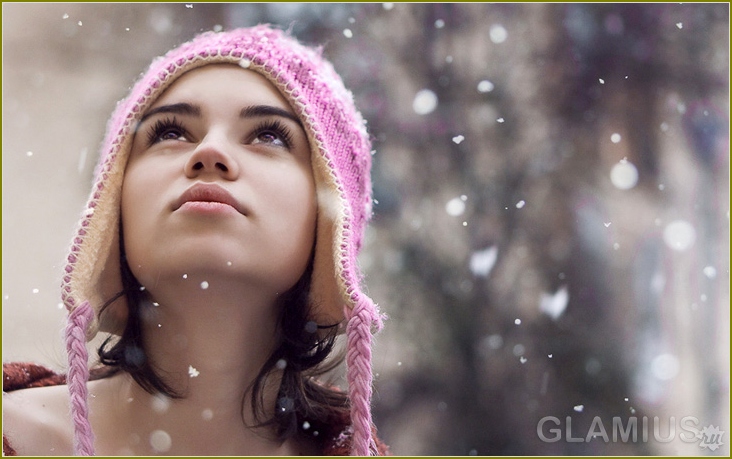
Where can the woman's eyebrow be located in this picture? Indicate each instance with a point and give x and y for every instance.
(255, 111)
(182, 108)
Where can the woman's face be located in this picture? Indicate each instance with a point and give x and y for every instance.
(219, 183)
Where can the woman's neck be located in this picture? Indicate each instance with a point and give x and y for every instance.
(208, 342)
(198, 333)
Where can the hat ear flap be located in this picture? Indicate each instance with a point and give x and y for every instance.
(93, 268)
(113, 315)
(325, 293)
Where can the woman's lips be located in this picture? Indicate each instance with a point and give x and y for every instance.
(208, 198)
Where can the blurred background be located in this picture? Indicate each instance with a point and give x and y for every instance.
(551, 233)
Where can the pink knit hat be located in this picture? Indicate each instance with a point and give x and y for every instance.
(341, 161)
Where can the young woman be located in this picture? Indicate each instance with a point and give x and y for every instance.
(218, 249)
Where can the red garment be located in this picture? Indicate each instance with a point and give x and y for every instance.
(335, 442)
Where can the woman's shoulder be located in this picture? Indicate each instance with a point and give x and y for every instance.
(35, 412)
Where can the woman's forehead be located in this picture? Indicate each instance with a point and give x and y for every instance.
(217, 83)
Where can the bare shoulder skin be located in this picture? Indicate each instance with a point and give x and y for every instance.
(36, 421)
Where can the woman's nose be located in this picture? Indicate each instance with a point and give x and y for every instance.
(211, 157)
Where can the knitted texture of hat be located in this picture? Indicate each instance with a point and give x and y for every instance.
(341, 161)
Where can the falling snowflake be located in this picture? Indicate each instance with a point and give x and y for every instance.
(498, 34)
(482, 261)
(624, 175)
(455, 207)
(192, 372)
(425, 102)
(679, 235)
(554, 304)
(160, 441)
(485, 86)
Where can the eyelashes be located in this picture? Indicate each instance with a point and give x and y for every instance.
(163, 128)
(269, 132)
(275, 131)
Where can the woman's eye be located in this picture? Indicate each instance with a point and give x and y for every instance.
(171, 135)
(167, 130)
(272, 133)
(269, 138)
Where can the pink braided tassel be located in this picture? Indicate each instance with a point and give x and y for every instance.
(360, 376)
(78, 376)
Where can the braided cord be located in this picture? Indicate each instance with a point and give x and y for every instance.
(360, 376)
(78, 376)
